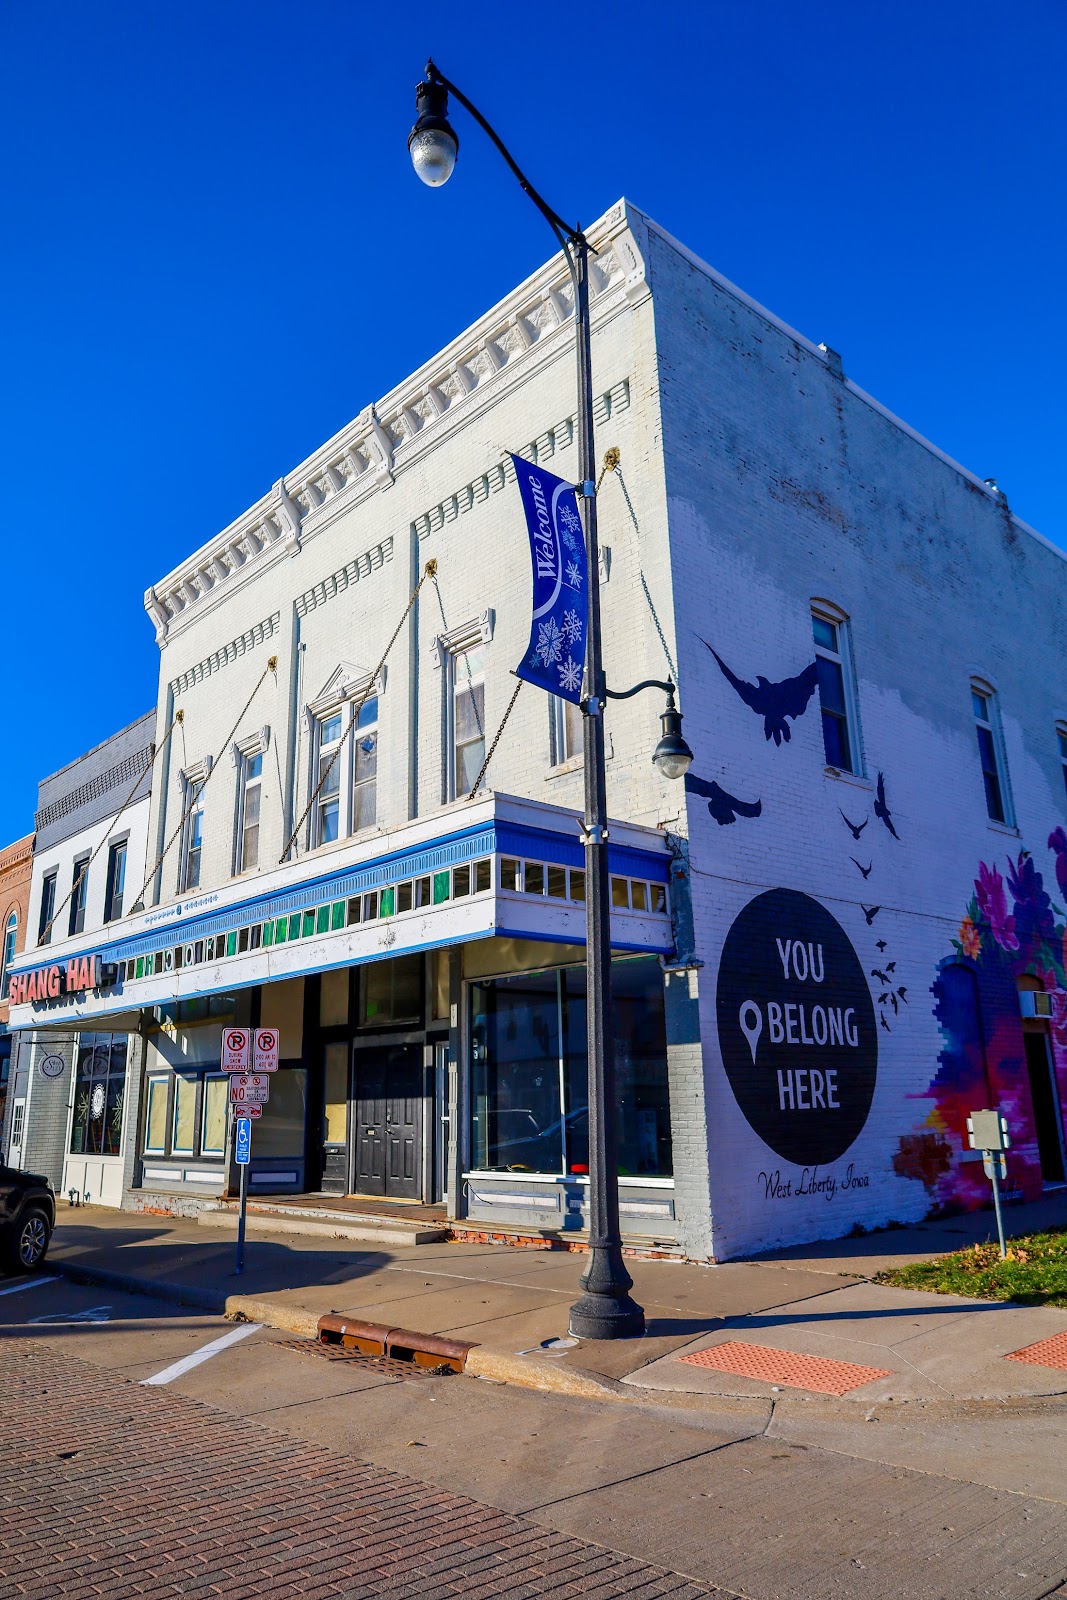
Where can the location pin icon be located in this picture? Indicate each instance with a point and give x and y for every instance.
(751, 1019)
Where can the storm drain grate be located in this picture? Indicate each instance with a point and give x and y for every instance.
(1045, 1353)
(388, 1366)
(785, 1366)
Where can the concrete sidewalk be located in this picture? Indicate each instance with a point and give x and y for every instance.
(815, 1302)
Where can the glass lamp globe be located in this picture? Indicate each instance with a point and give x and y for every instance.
(433, 153)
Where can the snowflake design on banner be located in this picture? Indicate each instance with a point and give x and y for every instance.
(549, 646)
(570, 675)
(574, 575)
(572, 627)
(571, 525)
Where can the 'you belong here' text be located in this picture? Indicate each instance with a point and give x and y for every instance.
(803, 1024)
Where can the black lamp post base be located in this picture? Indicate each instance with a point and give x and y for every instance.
(605, 1310)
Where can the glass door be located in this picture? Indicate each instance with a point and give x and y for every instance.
(335, 1118)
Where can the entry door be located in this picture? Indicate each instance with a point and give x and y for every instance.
(335, 1118)
(388, 1109)
(18, 1134)
(1048, 1117)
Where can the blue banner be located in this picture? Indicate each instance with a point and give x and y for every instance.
(555, 655)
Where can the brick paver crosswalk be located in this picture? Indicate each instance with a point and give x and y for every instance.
(110, 1489)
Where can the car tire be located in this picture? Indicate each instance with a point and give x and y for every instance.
(29, 1242)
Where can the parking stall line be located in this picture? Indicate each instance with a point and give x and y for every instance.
(29, 1283)
(206, 1351)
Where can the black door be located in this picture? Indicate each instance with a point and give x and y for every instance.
(388, 1109)
(1047, 1115)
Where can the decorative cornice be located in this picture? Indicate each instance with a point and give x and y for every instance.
(366, 455)
(479, 630)
(360, 566)
(225, 654)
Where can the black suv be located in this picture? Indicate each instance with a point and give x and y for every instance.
(27, 1217)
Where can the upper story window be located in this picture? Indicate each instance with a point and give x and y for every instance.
(48, 906)
(7, 956)
(345, 768)
(991, 751)
(192, 835)
(116, 881)
(1061, 735)
(78, 893)
(328, 734)
(567, 732)
(467, 719)
(250, 786)
(837, 690)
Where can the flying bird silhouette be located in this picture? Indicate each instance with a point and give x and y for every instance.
(885, 1024)
(870, 912)
(881, 945)
(883, 977)
(856, 831)
(865, 870)
(893, 1001)
(890, 966)
(725, 808)
(882, 998)
(881, 810)
(774, 702)
(902, 992)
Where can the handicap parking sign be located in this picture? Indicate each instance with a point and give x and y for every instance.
(244, 1143)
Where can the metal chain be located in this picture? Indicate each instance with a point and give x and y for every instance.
(44, 937)
(611, 464)
(496, 741)
(198, 788)
(430, 571)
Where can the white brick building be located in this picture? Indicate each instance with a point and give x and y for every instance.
(422, 953)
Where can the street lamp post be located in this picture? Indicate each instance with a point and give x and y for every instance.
(605, 1309)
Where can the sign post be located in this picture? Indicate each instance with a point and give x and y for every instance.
(243, 1154)
(988, 1132)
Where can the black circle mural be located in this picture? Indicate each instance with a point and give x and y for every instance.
(797, 1027)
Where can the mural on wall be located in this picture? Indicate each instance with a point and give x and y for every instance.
(774, 702)
(881, 810)
(1010, 930)
(797, 1031)
(725, 808)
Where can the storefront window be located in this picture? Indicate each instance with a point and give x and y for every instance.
(99, 1094)
(530, 1104)
(213, 1132)
(184, 1116)
(155, 1132)
(280, 1131)
(392, 991)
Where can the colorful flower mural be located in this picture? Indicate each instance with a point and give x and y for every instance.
(1010, 930)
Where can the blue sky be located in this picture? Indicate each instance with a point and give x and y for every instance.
(215, 252)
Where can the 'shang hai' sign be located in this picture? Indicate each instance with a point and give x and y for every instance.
(555, 655)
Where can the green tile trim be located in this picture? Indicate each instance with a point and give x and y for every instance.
(441, 884)
(386, 903)
(322, 919)
(281, 929)
(231, 944)
(337, 914)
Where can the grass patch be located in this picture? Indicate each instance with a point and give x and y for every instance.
(1034, 1274)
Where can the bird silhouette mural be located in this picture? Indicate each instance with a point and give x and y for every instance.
(881, 810)
(865, 870)
(870, 912)
(857, 829)
(725, 808)
(774, 702)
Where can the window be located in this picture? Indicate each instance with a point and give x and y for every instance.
(990, 751)
(529, 1076)
(48, 906)
(213, 1117)
(155, 1124)
(183, 1131)
(467, 745)
(79, 888)
(193, 836)
(250, 786)
(99, 1094)
(567, 733)
(365, 767)
(328, 774)
(833, 664)
(116, 881)
(7, 956)
(1061, 735)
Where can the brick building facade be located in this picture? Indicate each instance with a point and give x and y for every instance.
(832, 942)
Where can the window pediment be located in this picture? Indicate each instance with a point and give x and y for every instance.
(346, 682)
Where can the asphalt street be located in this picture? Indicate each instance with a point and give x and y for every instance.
(675, 1495)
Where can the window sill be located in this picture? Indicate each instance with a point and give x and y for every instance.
(854, 779)
(1005, 828)
(565, 768)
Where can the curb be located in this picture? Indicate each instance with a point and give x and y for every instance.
(238, 1307)
(548, 1375)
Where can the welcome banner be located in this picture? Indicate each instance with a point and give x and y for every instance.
(555, 655)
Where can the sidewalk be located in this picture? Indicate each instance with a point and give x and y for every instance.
(812, 1309)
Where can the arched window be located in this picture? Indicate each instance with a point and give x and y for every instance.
(10, 934)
